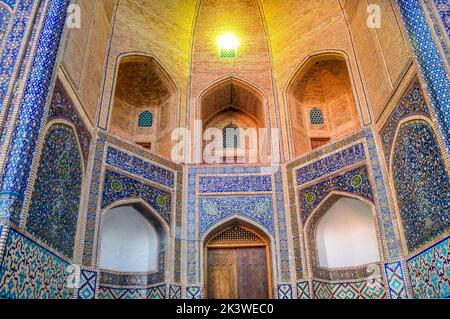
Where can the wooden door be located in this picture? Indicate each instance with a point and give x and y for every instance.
(222, 283)
(252, 274)
(237, 273)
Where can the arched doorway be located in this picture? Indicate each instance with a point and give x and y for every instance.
(237, 264)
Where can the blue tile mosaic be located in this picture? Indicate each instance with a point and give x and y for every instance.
(53, 212)
(16, 174)
(230, 184)
(422, 184)
(158, 292)
(330, 164)
(430, 271)
(88, 284)
(430, 62)
(139, 167)
(118, 187)
(413, 103)
(62, 107)
(215, 208)
(5, 17)
(355, 181)
(395, 280)
(10, 3)
(29, 271)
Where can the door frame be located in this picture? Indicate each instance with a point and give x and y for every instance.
(266, 244)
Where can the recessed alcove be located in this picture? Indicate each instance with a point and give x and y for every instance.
(144, 104)
(321, 103)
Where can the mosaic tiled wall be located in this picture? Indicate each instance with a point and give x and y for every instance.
(158, 292)
(218, 193)
(429, 58)
(348, 166)
(28, 270)
(430, 271)
(23, 142)
(53, 212)
(5, 16)
(129, 172)
(363, 289)
(422, 184)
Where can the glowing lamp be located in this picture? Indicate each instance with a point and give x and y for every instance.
(228, 46)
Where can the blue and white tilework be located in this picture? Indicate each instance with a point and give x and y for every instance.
(88, 283)
(16, 174)
(30, 271)
(53, 212)
(396, 283)
(422, 184)
(430, 271)
(330, 164)
(226, 196)
(430, 62)
(215, 208)
(284, 291)
(118, 187)
(231, 184)
(139, 167)
(193, 292)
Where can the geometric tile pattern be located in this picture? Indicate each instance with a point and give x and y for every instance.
(21, 149)
(193, 292)
(395, 280)
(29, 270)
(422, 184)
(118, 187)
(61, 107)
(330, 164)
(158, 292)
(212, 209)
(373, 288)
(139, 167)
(53, 212)
(443, 7)
(174, 292)
(430, 271)
(4, 21)
(303, 290)
(429, 59)
(413, 103)
(284, 291)
(229, 184)
(355, 181)
(88, 282)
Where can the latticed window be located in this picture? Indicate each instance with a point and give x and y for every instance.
(231, 136)
(316, 116)
(146, 119)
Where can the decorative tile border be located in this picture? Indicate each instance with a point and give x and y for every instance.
(193, 292)
(395, 280)
(330, 164)
(213, 209)
(22, 274)
(234, 184)
(430, 271)
(88, 284)
(303, 290)
(284, 291)
(158, 292)
(364, 289)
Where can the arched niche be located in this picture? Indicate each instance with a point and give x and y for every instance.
(342, 239)
(321, 103)
(237, 261)
(421, 182)
(143, 87)
(234, 103)
(132, 240)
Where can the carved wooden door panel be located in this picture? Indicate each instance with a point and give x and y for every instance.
(252, 273)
